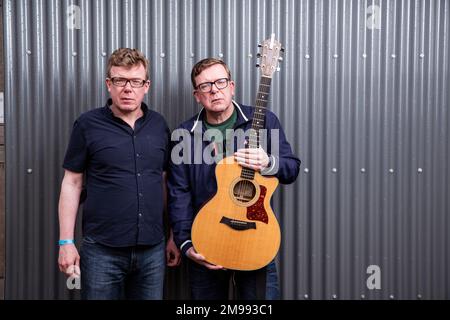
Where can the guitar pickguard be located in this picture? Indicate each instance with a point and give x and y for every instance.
(257, 211)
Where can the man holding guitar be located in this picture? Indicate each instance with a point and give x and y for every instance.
(192, 185)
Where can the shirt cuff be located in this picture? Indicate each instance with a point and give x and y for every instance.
(271, 168)
(185, 246)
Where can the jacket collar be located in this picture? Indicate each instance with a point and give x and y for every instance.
(241, 114)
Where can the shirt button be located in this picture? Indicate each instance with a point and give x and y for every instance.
(137, 155)
(140, 214)
(140, 194)
(138, 174)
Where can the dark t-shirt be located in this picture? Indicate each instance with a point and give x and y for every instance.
(124, 195)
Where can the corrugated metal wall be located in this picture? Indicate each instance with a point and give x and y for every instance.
(363, 96)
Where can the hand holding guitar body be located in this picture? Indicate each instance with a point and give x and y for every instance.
(198, 258)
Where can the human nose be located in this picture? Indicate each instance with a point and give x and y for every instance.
(214, 88)
(126, 87)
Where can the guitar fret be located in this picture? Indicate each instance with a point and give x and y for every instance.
(247, 173)
(258, 120)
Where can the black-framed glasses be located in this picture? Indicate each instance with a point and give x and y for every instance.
(221, 83)
(122, 82)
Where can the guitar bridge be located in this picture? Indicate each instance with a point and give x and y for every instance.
(238, 224)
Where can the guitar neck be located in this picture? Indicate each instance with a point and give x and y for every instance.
(258, 120)
(260, 110)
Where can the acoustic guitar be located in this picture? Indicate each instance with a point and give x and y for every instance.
(237, 228)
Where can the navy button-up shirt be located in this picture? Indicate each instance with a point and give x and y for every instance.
(124, 193)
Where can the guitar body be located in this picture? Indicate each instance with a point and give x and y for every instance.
(237, 228)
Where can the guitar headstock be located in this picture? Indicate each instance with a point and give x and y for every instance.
(270, 56)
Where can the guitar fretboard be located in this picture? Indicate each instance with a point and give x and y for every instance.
(258, 121)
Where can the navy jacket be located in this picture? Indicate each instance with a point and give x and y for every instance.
(191, 185)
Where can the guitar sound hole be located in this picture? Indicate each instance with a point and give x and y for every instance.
(244, 191)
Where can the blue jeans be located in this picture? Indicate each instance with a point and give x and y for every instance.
(121, 273)
(214, 284)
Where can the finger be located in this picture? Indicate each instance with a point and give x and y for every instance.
(69, 271)
(196, 257)
(177, 255)
(212, 266)
(63, 265)
(254, 164)
(199, 257)
(168, 254)
(254, 156)
(60, 264)
(248, 150)
(249, 160)
(251, 166)
(175, 261)
(171, 263)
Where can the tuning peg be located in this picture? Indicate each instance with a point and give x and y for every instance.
(259, 45)
(257, 65)
(278, 69)
(280, 59)
(258, 55)
(282, 49)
